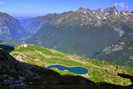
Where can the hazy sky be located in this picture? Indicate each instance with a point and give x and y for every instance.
(42, 7)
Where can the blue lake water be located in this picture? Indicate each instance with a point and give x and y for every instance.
(77, 70)
(7, 48)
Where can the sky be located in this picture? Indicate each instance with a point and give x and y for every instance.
(23, 8)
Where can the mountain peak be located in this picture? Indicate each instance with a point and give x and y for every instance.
(2, 14)
(111, 11)
(83, 10)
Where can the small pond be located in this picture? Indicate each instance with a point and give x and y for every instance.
(76, 70)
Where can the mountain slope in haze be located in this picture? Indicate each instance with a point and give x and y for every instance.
(32, 25)
(28, 71)
(84, 31)
(120, 52)
(10, 28)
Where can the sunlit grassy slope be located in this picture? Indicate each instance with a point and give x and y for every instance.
(99, 71)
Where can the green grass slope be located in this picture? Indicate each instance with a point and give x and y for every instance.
(99, 71)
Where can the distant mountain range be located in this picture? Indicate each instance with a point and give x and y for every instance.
(84, 32)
